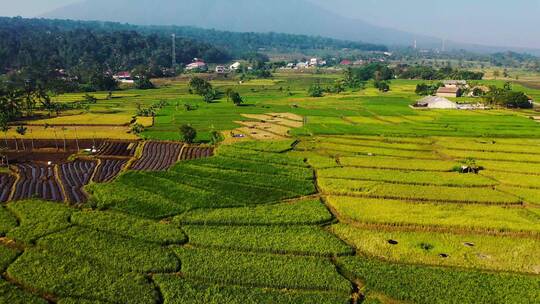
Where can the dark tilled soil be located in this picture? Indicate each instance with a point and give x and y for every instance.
(74, 176)
(6, 183)
(158, 156)
(190, 153)
(37, 181)
(38, 156)
(50, 144)
(117, 148)
(109, 169)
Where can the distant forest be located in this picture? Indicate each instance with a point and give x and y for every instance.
(76, 45)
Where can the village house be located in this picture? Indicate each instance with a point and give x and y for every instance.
(123, 77)
(198, 65)
(449, 92)
(291, 65)
(345, 62)
(434, 102)
(220, 69)
(235, 66)
(302, 65)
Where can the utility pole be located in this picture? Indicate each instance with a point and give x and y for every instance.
(173, 51)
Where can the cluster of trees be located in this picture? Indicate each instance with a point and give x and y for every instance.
(381, 74)
(23, 100)
(383, 86)
(188, 134)
(82, 56)
(316, 90)
(16, 102)
(430, 73)
(152, 110)
(515, 60)
(463, 58)
(205, 89)
(259, 66)
(356, 78)
(234, 97)
(375, 71)
(424, 89)
(507, 97)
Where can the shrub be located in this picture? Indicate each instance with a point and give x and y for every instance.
(188, 133)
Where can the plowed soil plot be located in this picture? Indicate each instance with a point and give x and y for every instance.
(74, 176)
(117, 148)
(189, 153)
(158, 156)
(37, 181)
(109, 169)
(6, 182)
(38, 156)
(52, 145)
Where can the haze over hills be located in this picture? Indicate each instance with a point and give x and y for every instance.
(284, 16)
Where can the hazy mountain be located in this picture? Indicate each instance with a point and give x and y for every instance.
(286, 16)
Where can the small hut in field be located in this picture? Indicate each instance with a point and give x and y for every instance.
(434, 102)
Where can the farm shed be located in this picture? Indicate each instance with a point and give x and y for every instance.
(435, 102)
(449, 92)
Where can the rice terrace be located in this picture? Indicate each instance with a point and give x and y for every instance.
(368, 174)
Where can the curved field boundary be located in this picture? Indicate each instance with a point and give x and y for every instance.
(108, 169)
(413, 183)
(195, 152)
(74, 176)
(426, 200)
(37, 180)
(6, 184)
(158, 156)
(412, 227)
(489, 151)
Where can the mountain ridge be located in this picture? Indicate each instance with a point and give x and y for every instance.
(283, 16)
(280, 16)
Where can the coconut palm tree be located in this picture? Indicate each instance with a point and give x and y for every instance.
(64, 131)
(4, 126)
(21, 130)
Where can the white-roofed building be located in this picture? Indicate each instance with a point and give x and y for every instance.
(435, 102)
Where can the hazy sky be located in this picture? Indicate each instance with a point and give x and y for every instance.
(30, 8)
(490, 22)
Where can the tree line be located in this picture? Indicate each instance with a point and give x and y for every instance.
(75, 53)
(430, 73)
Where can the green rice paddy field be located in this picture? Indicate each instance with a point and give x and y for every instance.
(363, 204)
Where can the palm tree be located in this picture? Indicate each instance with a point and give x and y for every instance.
(32, 139)
(49, 106)
(77, 140)
(4, 157)
(64, 131)
(55, 138)
(21, 130)
(4, 126)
